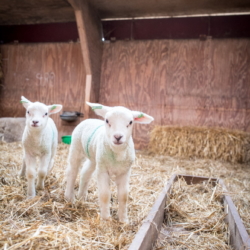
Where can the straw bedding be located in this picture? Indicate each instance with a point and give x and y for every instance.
(206, 143)
(48, 222)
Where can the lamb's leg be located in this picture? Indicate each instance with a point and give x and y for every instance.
(53, 153)
(31, 175)
(85, 176)
(104, 194)
(74, 162)
(23, 170)
(51, 165)
(42, 172)
(123, 188)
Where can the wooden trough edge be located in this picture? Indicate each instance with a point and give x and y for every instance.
(148, 232)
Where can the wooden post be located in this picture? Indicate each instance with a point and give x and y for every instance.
(87, 93)
(80, 7)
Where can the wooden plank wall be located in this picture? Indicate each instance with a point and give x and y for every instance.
(49, 73)
(179, 82)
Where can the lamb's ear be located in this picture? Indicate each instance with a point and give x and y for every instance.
(99, 109)
(25, 102)
(55, 108)
(142, 118)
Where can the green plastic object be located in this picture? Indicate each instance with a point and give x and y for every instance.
(66, 139)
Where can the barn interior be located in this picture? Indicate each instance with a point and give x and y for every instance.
(186, 63)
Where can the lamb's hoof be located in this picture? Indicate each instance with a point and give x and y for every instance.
(124, 221)
(105, 216)
(81, 198)
(21, 174)
(40, 193)
(39, 187)
(108, 219)
(69, 198)
(29, 197)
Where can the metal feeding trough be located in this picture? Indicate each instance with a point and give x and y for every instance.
(70, 116)
(149, 231)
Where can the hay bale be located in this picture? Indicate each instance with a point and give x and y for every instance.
(206, 143)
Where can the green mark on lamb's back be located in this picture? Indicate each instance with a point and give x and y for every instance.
(89, 139)
(97, 107)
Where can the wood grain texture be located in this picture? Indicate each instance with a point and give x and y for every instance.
(49, 73)
(179, 82)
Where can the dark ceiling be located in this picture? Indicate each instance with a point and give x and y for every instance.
(14, 12)
(147, 8)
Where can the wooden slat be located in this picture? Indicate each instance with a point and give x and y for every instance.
(192, 180)
(87, 95)
(239, 238)
(148, 232)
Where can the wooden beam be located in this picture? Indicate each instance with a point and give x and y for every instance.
(81, 8)
(81, 26)
(87, 94)
(75, 4)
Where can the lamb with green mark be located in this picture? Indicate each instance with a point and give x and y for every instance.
(107, 147)
(40, 138)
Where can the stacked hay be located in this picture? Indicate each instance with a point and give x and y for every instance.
(207, 143)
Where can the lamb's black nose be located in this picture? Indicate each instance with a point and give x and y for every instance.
(35, 122)
(118, 137)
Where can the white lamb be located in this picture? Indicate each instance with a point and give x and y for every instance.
(109, 148)
(40, 138)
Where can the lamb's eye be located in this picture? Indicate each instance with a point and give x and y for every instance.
(130, 122)
(46, 113)
(28, 112)
(107, 121)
